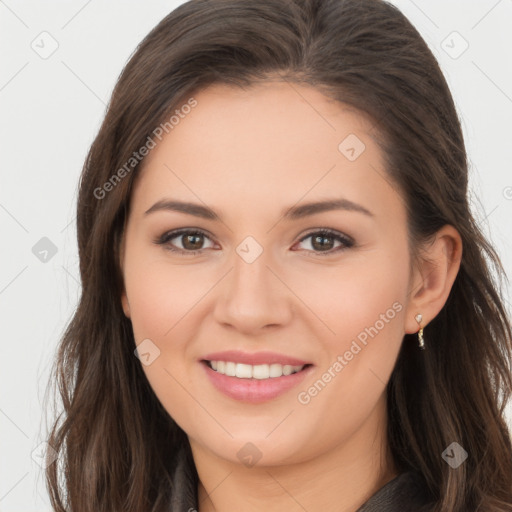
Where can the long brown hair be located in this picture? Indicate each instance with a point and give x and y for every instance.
(117, 446)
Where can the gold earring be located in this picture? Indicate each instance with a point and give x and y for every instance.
(418, 318)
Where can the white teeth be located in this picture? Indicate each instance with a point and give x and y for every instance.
(287, 369)
(276, 370)
(230, 369)
(243, 371)
(259, 371)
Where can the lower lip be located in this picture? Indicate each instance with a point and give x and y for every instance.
(254, 390)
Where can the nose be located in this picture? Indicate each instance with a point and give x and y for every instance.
(253, 297)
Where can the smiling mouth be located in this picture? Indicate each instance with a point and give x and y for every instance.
(259, 371)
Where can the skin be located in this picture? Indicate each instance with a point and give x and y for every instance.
(249, 155)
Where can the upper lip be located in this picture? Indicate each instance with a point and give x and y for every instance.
(255, 358)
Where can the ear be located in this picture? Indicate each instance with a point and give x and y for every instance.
(433, 277)
(124, 298)
(125, 304)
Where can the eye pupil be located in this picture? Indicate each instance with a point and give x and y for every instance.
(321, 245)
(191, 239)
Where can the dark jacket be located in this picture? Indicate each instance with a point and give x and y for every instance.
(405, 493)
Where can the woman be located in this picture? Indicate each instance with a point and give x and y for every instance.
(286, 301)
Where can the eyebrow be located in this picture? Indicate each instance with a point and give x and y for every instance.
(292, 213)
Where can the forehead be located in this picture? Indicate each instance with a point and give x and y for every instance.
(269, 118)
(273, 142)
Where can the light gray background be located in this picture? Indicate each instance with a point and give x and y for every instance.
(51, 110)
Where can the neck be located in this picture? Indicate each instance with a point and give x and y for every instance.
(342, 478)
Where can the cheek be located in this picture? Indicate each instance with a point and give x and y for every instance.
(160, 294)
(363, 306)
(359, 294)
(162, 300)
(165, 303)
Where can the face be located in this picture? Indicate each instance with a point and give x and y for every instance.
(256, 282)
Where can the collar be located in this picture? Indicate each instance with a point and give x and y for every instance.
(407, 491)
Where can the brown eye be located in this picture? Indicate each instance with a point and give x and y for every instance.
(324, 241)
(184, 241)
(192, 242)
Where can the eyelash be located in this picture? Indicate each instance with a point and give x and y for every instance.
(346, 241)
